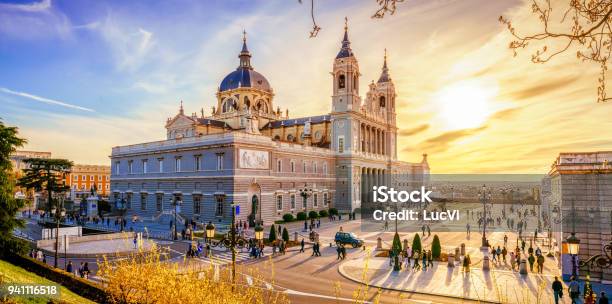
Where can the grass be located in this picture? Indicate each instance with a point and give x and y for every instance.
(10, 273)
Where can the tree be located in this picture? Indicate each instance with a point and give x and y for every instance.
(416, 243)
(584, 25)
(285, 235)
(272, 236)
(46, 174)
(436, 248)
(9, 142)
(396, 247)
(288, 217)
(313, 214)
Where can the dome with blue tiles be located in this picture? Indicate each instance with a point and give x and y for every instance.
(245, 76)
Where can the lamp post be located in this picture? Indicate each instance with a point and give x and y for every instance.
(58, 212)
(485, 197)
(121, 205)
(232, 242)
(176, 203)
(573, 243)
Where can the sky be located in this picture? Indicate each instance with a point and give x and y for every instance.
(79, 77)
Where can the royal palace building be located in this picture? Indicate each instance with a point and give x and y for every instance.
(248, 152)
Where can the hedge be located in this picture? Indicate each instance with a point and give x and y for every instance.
(288, 217)
(313, 214)
(301, 216)
(323, 213)
(333, 211)
(82, 287)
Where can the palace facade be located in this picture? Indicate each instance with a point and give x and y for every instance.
(248, 152)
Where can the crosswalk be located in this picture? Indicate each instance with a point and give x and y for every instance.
(225, 257)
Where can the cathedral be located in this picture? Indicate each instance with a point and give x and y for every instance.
(251, 154)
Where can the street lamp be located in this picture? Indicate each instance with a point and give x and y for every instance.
(233, 241)
(177, 205)
(485, 197)
(121, 205)
(58, 212)
(573, 246)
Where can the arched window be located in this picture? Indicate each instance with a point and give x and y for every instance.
(381, 101)
(276, 138)
(247, 102)
(261, 106)
(290, 137)
(228, 105)
(341, 81)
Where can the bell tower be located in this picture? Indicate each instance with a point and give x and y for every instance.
(385, 93)
(345, 75)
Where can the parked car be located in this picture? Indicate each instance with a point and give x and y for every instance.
(348, 238)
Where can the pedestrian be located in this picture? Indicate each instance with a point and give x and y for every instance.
(574, 290)
(406, 260)
(603, 299)
(339, 251)
(429, 259)
(538, 251)
(318, 248)
(424, 259)
(498, 253)
(466, 263)
(135, 240)
(557, 288)
(523, 245)
(305, 226)
(44, 259)
(415, 257)
(512, 260)
(423, 229)
(86, 270)
(81, 272)
(343, 252)
(69, 267)
(504, 253)
(314, 249)
(531, 260)
(467, 228)
(493, 253)
(540, 261)
(428, 231)
(589, 298)
(302, 245)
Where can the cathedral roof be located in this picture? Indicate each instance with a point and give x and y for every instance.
(245, 76)
(345, 50)
(212, 122)
(298, 121)
(384, 76)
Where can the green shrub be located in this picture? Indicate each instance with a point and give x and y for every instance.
(272, 236)
(13, 245)
(285, 235)
(288, 217)
(416, 243)
(436, 248)
(313, 214)
(333, 211)
(323, 213)
(301, 216)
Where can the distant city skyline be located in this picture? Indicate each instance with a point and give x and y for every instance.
(111, 73)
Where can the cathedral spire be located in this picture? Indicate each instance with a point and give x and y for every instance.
(245, 55)
(181, 108)
(345, 50)
(384, 76)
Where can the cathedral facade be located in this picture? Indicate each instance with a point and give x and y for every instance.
(249, 153)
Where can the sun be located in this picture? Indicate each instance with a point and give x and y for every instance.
(465, 104)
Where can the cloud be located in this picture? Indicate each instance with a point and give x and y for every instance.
(43, 5)
(45, 100)
(34, 21)
(507, 113)
(413, 131)
(543, 88)
(443, 141)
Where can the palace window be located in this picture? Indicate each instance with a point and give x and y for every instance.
(84, 178)
(99, 186)
(129, 200)
(116, 168)
(228, 105)
(177, 164)
(144, 166)
(381, 101)
(292, 201)
(314, 167)
(160, 163)
(219, 161)
(143, 201)
(279, 203)
(292, 166)
(197, 159)
(197, 201)
(219, 209)
(107, 187)
(75, 177)
(341, 144)
(91, 178)
(304, 202)
(290, 137)
(324, 199)
(324, 168)
(304, 165)
(315, 200)
(159, 198)
(130, 166)
(279, 165)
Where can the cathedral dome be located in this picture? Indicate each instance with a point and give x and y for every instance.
(244, 76)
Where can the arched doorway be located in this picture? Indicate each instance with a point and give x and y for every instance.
(254, 202)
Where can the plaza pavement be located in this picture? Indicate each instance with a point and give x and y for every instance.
(496, 286)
